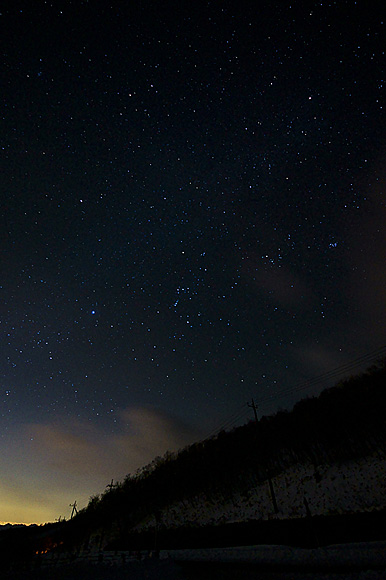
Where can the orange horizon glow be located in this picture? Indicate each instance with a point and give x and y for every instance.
(52, 464)
(22, 524)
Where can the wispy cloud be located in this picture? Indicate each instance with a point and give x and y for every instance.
(283, 285)
(75, 459)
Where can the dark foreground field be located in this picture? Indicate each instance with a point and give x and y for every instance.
(149, 570)
(169, 570)
(282, 550)
(309, 532)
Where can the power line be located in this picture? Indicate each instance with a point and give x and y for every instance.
(230, 421)
(358, 362)
(243, 411)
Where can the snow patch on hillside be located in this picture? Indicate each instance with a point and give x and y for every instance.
(353, 486)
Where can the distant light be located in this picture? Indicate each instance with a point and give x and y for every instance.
(93, 312)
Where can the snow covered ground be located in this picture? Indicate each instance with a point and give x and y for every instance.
(352, 486)
(362, 561)
(357, 556)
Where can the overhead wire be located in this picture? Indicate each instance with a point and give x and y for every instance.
(229, 422)
(358, 362)
(370, 357)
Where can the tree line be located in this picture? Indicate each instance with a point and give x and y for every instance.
(344, 422)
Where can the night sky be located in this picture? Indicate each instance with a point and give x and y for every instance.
(193, 215)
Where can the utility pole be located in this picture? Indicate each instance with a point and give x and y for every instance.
(271, 488)
(111, 485)
(254, 407)
(74, 509)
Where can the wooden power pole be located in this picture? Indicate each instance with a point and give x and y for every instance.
(271, 488)
(254, 407)
(111, 485)
(74, 509)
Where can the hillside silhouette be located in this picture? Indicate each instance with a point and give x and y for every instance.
(345, 423)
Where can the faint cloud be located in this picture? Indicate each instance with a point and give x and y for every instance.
(367, 282)
(316, 359)
(51, 464)
(79, 448)
(72, 446)
(282, 285)
(148, 430)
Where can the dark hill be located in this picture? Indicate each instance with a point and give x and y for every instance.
(345, 423)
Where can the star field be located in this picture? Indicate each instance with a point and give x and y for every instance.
(193, 209)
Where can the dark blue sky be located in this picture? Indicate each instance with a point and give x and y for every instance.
(193, 215)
